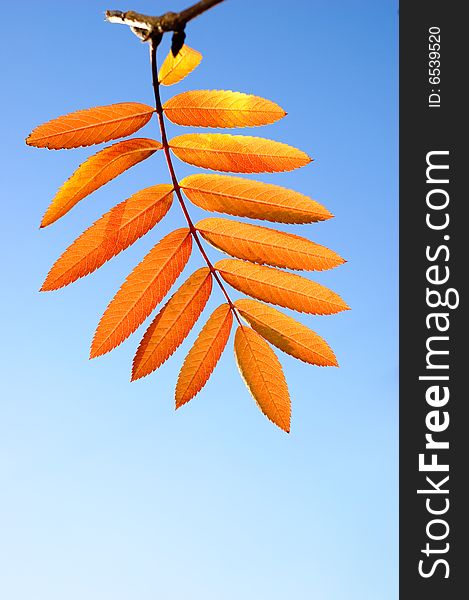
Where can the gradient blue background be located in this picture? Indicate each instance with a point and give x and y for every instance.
(106, 492)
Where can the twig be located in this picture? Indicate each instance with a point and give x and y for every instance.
(146, 27)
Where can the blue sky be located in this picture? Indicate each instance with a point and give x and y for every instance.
(107, 493)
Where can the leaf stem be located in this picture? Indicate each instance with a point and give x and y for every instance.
(174, 180)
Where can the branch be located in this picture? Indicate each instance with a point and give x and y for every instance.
(147, 27)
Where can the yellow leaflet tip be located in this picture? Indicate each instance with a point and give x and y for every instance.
(46, 221)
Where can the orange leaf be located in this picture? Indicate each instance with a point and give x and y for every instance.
(237, 153)
(91, 126)
(263, 375)
(267, 246)
(113, 232)
(204, 354)
(253, 199)
(220, 108)
(175, 68)
(96, 171)
(278, 287)
(143, 289)
(173, 323)
(287, 334)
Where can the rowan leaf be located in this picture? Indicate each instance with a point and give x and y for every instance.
(113, 232)
(237, 153)
(204, 354)
(91, 126)
(263, 376)
(253, 199)
(286, 333)
(97, 171)
(143, 289)
(176, 68)
(221, 108)
(173, 323)
(267, 246)
(281, 288)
